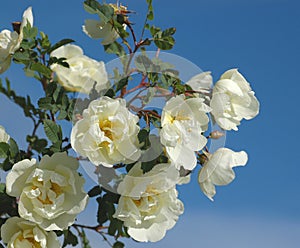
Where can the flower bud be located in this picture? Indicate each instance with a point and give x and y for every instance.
(216, 134)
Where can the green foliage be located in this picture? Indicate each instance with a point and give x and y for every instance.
(84, 240)
(115, 48)
(69, 238)
(8, 204)
(105, 11)
(118, 244)
(95, 191)
(164, 39)
(25, 103)
(4, 148)
(143, 137)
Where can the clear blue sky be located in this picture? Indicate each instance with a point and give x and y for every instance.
(261, 208)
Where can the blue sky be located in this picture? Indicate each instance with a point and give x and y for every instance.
(261, 38)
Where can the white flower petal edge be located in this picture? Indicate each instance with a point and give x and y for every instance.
(183, 121)
(4, 137)
(10, 41)
(233, 100)
(201, 82)
(99, 29)
(149, 205)
(51, 192)
(83, 72)
(17, 232)
(107, 134)
(218, 169)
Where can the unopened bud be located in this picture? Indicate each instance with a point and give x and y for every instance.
(216, 134)
(78, 117)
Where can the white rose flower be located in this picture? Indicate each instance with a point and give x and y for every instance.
(99, 29)
(233, 100)
(83, 72)
(183, 121)
(50, 193)
(19, 233)
(218, 169)
(11, 41)
(201, 82)
(148, 204)
(107, 133)
(4, 137)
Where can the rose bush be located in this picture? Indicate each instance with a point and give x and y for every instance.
(139, 130)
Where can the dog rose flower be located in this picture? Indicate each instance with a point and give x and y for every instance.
(217, 170)
(11, 41)
(107, 133)
(83, 72)
(183, 122)
(148, 204)
(233, 100)
(17, 232)
(50, 192)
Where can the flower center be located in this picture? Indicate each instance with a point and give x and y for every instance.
(29, 238)
(106, 128)
(46, 190)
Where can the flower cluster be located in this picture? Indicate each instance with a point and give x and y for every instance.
(116, 129)
(50, 197)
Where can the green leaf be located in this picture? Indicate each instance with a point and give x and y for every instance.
(143, 137)
(143, 63)
(4, 148)
(30, 32)
(52, 130)
(59, 44)
(24, 55)
(2, 188)
(39, 145)
(91, 6)
(123, 82)
(40, 68)
(62, 114)
(115, 226)
(118, 244)
(115, 48)
(106, 12)
(163, 39)
(45, 103)
(164, 43)
(84, 239)
(14, 149)
(169, 32)
(95, 191)
(70, 238)
(154, 30)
